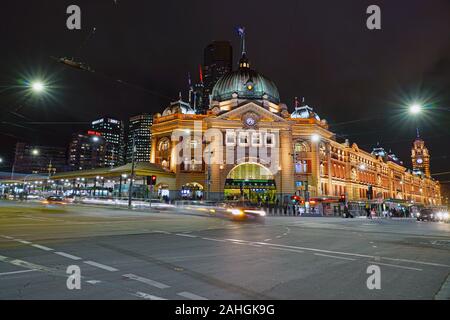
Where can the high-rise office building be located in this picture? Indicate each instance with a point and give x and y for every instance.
(39, 159)
(112, 130)
(140, 128)
(217, 61)
(87, 151)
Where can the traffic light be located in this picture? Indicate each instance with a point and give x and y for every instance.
(151, 180)
(342, 198)
(295, 199)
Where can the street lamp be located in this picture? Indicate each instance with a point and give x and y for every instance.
(35, 152)
(37, 86)
(415, 108)
(315, 138)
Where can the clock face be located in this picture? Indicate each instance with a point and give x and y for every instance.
(250, 121)
(419, 160)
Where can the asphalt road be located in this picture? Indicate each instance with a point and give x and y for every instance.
(166, 255)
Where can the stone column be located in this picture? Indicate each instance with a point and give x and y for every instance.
(286, 164)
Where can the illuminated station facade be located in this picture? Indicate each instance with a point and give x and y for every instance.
(245, 111)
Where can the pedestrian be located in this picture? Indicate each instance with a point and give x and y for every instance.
(347, 213)
(368, 213)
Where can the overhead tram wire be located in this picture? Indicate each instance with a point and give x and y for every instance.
(88, 69)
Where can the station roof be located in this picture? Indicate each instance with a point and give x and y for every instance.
(141, 169)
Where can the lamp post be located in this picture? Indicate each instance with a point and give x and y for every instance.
(130, 191)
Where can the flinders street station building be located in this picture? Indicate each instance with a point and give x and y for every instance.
(249, 146)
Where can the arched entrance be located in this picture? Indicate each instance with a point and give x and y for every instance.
(192, 191)
(252, 182)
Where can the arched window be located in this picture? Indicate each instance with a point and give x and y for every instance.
(163, 152)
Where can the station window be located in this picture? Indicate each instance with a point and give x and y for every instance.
(230, 138)
(256, 139)
(270, 140)
(243, 139)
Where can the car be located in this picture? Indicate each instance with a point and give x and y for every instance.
(442, 216)
(241, 210)
(55, 200)
(426, 214)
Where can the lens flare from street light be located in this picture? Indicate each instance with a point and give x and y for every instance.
(35, 152)
(37, 86)
(415, 108)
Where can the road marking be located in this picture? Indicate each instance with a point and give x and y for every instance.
(23, 241)
(284, 249)
(394, 265)
(68, 255)
(357, 255)
(147, 296)
(235, 240)
(185, 235)
(146, 281)
(101, 266)
(267, 240)
(16, 272)
(25, 264)
(42, 247)
(211, 239)
(159, 231)
(191, 296)
(7, 237)
(336, 257)
(93, 281)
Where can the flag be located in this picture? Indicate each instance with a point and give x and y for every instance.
(240, 31)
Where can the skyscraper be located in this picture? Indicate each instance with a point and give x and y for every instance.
(39, 159)
(140, 128)
(217, 61)
(112, 130)
(87, 151)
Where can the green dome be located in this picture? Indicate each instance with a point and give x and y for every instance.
(247, 84)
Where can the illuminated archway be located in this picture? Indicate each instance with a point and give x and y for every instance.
(250, 171)
(252, 182)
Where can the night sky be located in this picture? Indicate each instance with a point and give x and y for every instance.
(357, 79)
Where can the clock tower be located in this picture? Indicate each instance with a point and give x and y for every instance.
(420, 157)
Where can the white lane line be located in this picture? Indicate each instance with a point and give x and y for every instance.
(267, 240)
(7, 237)
(185, 235)
(394, 265)
(284, 249)
(23, 241)
(146, 281)
(330, 256)
(101, 266)
(63, 254)
(16, 272)
(93, 281)
(235, 240)
(357, 255)
(159, 231)
(212, 239)
(42, 247)
(147, 296)
(191, 296)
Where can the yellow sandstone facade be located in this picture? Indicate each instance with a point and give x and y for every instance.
(301, 154)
